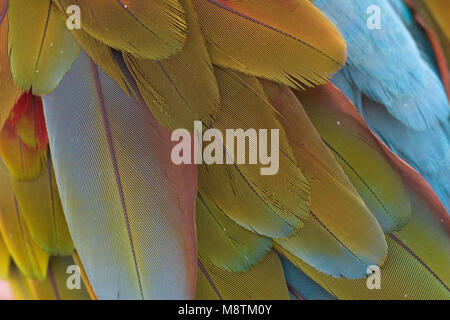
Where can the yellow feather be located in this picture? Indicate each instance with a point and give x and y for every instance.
(102, 55)
(225, 244)
(402, 278)
(224, 186)
(41, 207)
(331, 240)
(182, 88)
(263, 282)
(440, 10)
(359, 154)
(55, 286)
(152, 29)
(40, 45)
(18, 284)
(289, 41)
(9, 93)
(4, 259)
(23, 162)
(27, 255)
(413, 269)
(272, 205)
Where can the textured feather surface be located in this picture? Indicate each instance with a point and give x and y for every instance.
(422, 13)
(418, 254)
(119, 188)
(359, 154)
(417, 31)
(223, 243)
(272, 205)
(440, 9)
(428, 231)
(8, 90)
(41, 47)
(338, 213)
(41, 207)
(55, 286)
(23, 139)
(273, 39)
(427, 235)
(18, 284)
(439, 49)
(263, 282)
(428, 151)
(153, 29)
(319, 248)
(403, 277)
(102, 55)
(386, 63)
(235, 197)
(181, 89)
(5, 259)
(27, 120)
(84, 277)
(27, 255)
(302, 287)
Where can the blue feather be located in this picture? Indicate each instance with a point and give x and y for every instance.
(300, 285)
(379, 74)
(403, 11)
(352, 92)
(386, 63)
(419, 35)
(428, 151)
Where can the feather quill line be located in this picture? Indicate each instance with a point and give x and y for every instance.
(410, 252)
(294, 292)
(232, 240)
(4, 11)
(408, 173)
(272, 28)
(44, 34)
(172, 83)
(336, 238)
(209, 279)
(52, 199)
(116, 170)
(364, 182)
(247, 182)
(140, 22)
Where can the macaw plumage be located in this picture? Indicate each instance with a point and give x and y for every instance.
(89, 185)
(399, 75)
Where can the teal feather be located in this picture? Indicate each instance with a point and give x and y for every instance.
(130, 210)
(386, 64)
(300, 285)
(427, 149)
